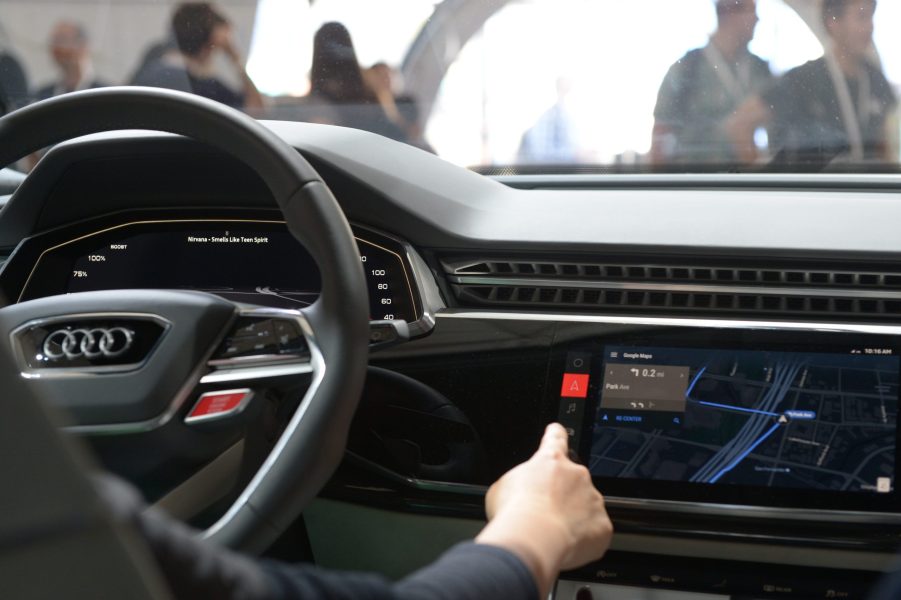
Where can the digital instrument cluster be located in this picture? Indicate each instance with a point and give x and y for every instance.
(250, 261)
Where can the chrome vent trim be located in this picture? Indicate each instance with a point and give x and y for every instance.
(743, 275)
(612, 285)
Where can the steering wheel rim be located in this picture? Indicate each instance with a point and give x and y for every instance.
(313, 444)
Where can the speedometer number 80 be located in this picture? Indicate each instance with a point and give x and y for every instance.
(385, 277)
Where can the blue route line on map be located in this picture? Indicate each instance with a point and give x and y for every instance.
(738, 408)
(744, 454)
(691, 386)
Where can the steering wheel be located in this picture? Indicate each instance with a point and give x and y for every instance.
(171, 336)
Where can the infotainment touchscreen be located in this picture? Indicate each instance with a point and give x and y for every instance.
(803, 420)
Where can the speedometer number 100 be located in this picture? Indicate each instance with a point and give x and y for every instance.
(383, 288)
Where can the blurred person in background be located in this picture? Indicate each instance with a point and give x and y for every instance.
(338, 83)
(200, 32)
(552, 139)
(71, 54)
(703, 88)
(336, 76)
(835, 107)
(401, 108)
(154, 53)
(13, 83)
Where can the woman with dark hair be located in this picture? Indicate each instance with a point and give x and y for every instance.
(336, 75)
(337, 80)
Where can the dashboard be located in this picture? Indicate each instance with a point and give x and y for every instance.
(733, 390)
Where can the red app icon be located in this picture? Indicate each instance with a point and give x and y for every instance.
(575, 385)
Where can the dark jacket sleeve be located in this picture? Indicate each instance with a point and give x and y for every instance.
(467, 571)
(196, 569)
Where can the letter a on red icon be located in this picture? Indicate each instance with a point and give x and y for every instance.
(575, 385)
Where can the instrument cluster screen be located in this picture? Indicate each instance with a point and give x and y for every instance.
(253, 262)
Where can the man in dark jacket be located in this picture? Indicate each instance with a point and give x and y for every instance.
(836, 106)
(71, 54)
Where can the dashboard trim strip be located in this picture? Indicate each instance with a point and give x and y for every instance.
(251, 373)
(699, 288)
(756, 512)
(672, 506)
(672, 321)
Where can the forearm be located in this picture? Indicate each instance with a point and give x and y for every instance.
(532, 542)
(471, 572)
(466, 572)
(742, 140)
(740, 128)
(662, 143)
(548, 512)
(252, 96)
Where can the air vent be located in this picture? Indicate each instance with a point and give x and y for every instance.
(682, 274)
(802, 291)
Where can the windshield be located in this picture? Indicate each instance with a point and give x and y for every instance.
(520, 86)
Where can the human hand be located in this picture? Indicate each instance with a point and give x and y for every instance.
(223, 39)
(548, 512)
(379, 83)
(378, 77)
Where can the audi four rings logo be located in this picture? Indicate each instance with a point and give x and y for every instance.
(97, 342)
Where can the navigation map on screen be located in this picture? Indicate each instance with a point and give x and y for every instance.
(822, 421)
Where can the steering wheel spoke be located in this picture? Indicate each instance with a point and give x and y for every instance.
(265, 343)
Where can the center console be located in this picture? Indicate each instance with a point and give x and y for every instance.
(737, 459)
(630, 576)
(774, 435)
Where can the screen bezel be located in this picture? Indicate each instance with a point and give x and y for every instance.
(730, 339)
(40, 265)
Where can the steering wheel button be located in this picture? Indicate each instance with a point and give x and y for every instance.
(217, 405)
(288, 338)
(255, 337)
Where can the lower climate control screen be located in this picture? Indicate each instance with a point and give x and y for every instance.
(255, 262)
(815, 422)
